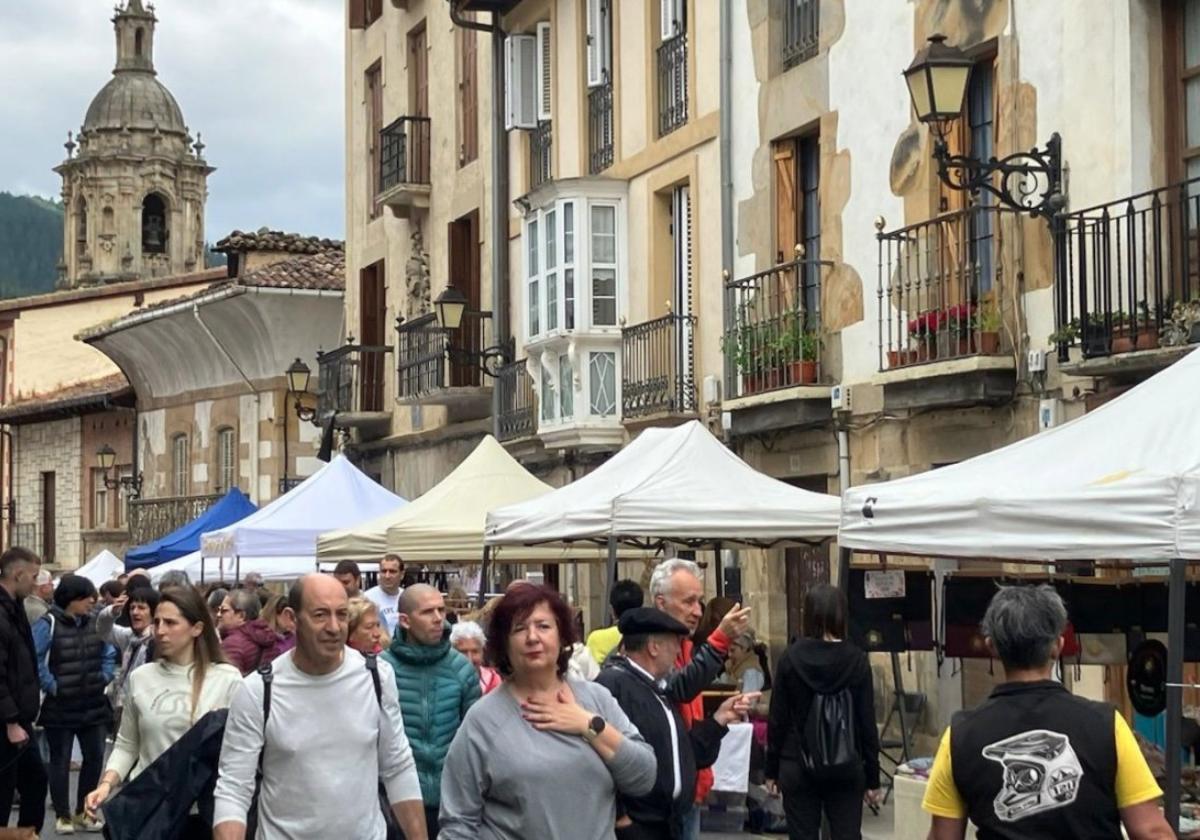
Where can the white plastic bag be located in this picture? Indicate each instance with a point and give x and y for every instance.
(731, 772)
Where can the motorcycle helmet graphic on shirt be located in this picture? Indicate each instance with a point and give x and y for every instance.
(1041, 773)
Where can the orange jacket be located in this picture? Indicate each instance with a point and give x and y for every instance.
(693, 710)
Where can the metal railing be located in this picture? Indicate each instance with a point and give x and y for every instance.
(1129, 271)
(404, 153)
(936, 282)
(516, 415)
(600, 127)
(672, 83)
(541, 147)
(801, 30)
(775, 338)
(658, 367)
(430, 358)
(150, 519)
(351, 378)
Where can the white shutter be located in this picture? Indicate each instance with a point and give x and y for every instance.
(595, 45)
(671, 17)
(520, 61)
(545, 59)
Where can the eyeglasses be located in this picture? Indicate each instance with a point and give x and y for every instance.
(223, 610)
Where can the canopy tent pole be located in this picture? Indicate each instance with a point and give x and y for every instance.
(901, 703)
(483, 574)
(1175, 623)
(612, 574)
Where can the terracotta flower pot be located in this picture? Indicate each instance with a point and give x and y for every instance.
(989, 343)
(808, 372)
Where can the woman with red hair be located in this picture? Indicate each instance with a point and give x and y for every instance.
(544, 755)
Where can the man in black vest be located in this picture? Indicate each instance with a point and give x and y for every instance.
(20, 762)
(1034, 762)
(651, 641)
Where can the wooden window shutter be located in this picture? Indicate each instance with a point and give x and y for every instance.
(595, 42)
(358, 14)
(786, 201)
(520, 90)
(545, 60)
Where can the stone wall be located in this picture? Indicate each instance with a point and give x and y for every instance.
(41, 448)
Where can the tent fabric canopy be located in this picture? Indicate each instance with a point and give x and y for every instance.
(103, 567)
(680, 485)
(1119, 483)
(231, 508)
(445, 524)
(232, 568)
(336, 496)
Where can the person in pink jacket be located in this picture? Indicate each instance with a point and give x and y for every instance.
(247, 639)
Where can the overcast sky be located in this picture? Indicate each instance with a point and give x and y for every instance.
(260, 79)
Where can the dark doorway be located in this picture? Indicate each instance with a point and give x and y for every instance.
(804, 566)
(372, 315)
(465, 276)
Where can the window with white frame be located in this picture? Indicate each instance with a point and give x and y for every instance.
(566, 389)
(125, 476)
(181, 465)
(602, 383)
(99, 500)
(547, 396)
(227, 459)
(557, 250)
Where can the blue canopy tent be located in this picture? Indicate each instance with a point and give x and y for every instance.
(184, 540)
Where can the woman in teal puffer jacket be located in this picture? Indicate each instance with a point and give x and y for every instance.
(436, 685)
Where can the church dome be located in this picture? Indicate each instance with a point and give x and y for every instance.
(137, 101)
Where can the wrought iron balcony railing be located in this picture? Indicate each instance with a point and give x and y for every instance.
(937, 288)
(431, 359)
(516, 415)
(541, 147)
(351, 379)
(672, 84)
(775, 338)
(1130, 273)
(658, 367)
(150, 519)
(404, 153)
(600, 127)
(801, 30)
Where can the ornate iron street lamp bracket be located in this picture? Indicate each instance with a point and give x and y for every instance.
(1029, 181)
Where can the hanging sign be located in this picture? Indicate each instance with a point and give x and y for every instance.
(884, 584)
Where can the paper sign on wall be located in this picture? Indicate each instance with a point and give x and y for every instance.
(885, 584)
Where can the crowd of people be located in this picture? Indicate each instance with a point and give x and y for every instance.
(332, 711)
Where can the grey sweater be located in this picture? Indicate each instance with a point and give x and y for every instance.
(505, 780)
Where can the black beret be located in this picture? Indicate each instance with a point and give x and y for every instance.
(646, 621)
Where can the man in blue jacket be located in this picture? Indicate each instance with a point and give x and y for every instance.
(436, 684)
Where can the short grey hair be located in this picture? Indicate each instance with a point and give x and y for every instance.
(175, 577)
(1024, 623)
(245, 601)
(660, 580)
(467, 630)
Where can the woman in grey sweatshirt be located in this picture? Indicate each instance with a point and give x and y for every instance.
(543, 756)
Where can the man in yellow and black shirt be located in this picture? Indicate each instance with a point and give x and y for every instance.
(1035, 762)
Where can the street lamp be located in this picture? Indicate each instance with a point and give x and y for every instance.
(449, 309)
(106, 459)
(1029, 181)
(298, 375)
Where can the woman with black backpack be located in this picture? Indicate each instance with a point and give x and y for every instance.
(822, 744)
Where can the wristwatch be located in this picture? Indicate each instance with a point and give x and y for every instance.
(594, 728)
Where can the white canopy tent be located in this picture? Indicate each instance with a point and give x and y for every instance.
(228, 568)
(103, 567)
(445, 524)
(1119, 483)
(280, 539)
(677, 485)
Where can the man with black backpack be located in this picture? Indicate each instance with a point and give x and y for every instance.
(320, 729)
(822, 744)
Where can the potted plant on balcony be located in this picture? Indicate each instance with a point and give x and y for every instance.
(988, 322)
(810, 345)
(1183, 326)
(956, 336)
(922, 333)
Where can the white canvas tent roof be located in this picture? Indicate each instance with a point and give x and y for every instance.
(446, 523)
(336, 496)
(103, 567)
(231, 568)
(680, 485)
(1121, 482)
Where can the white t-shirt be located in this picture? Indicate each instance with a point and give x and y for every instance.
(389, 606)
(328, 743)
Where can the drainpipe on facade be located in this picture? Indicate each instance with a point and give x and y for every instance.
(843, 441)
(254, 466)
(726, 151)
(499, 261)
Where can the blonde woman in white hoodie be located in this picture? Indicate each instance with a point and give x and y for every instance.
(188, 679)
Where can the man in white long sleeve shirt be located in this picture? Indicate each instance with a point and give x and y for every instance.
(327, 741)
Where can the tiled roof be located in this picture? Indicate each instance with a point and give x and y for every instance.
(111, 289)
(76, 398)
(264, 239)
(325, 270)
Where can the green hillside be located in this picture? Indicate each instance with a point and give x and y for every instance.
(30, 244)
